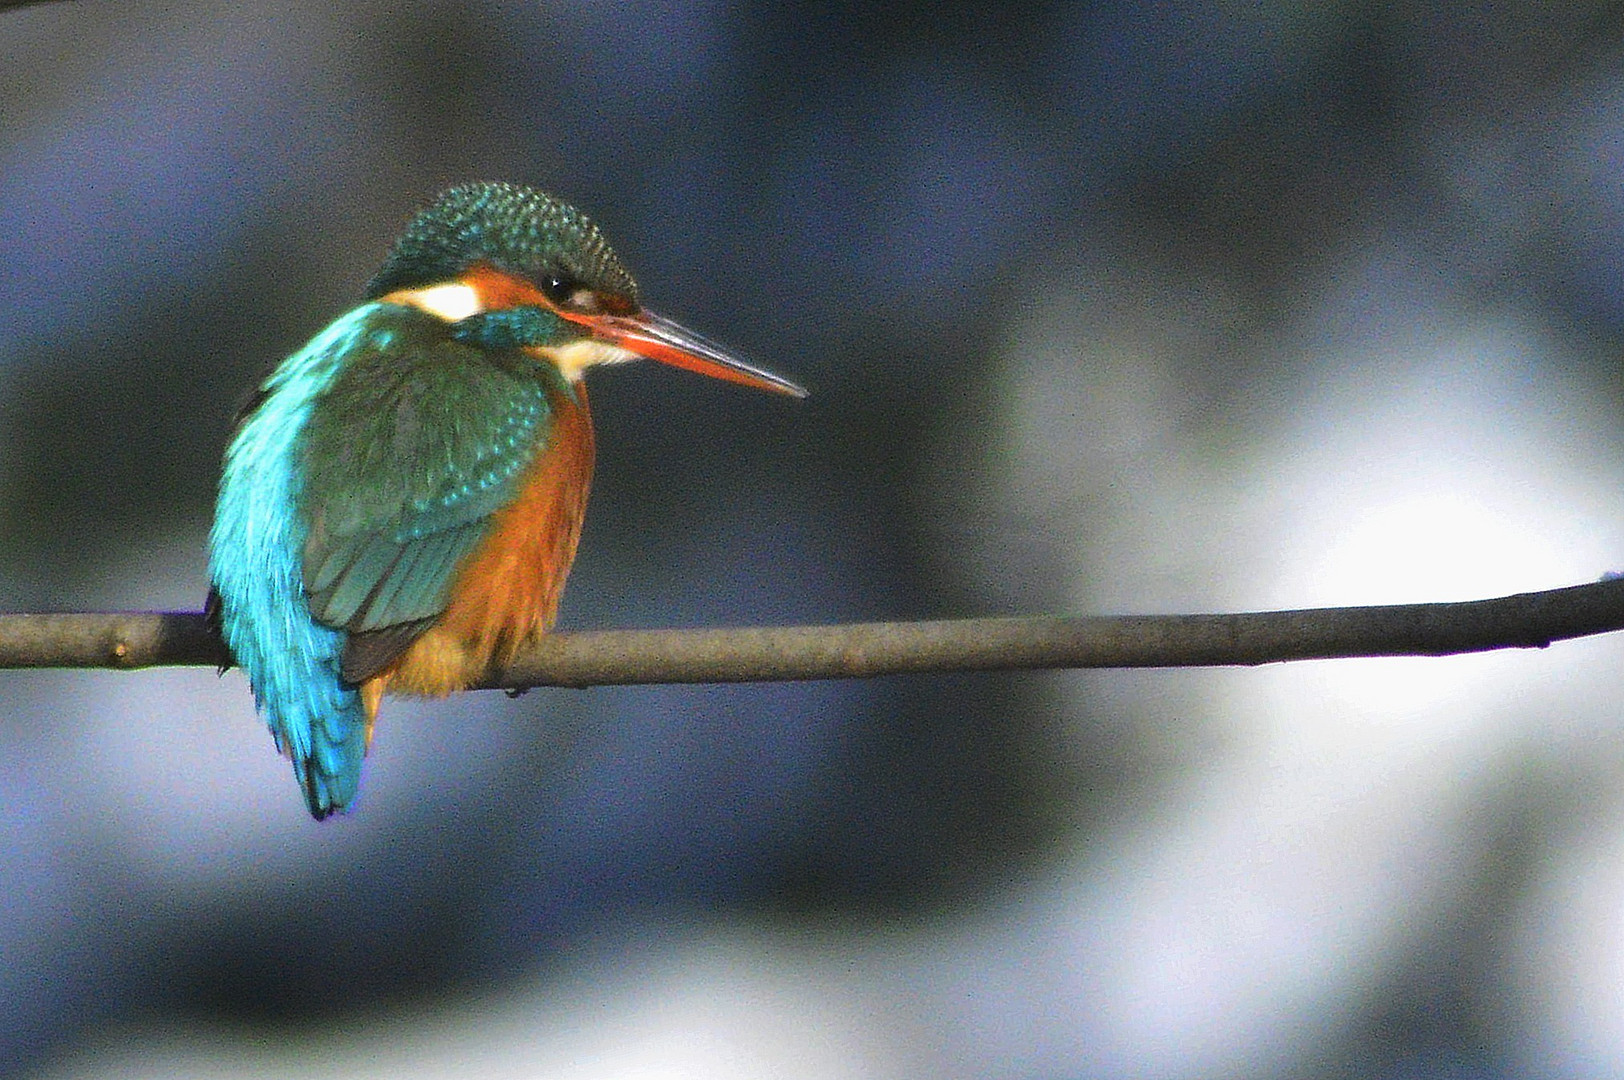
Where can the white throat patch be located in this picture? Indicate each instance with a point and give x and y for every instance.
(573, 359)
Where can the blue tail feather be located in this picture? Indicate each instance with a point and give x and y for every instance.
(255, 563)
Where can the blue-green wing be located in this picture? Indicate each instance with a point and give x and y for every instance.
(407, 455)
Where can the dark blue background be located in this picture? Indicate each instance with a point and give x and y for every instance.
(879, 203)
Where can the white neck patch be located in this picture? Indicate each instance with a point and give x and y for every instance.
(452, 301)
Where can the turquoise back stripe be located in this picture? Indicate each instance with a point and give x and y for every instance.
(255, 561)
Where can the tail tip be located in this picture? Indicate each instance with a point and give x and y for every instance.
(326, 795)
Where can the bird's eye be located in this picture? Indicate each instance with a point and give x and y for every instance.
(568, 294)
(559, 289)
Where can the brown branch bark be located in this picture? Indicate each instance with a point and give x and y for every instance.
(862, 650)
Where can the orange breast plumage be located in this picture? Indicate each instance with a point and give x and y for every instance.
(507, 591)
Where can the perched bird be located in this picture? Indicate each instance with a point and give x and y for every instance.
(401, 500)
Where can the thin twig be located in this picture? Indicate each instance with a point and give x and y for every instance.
(862, 650)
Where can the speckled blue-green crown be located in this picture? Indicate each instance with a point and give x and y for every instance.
(515, 229)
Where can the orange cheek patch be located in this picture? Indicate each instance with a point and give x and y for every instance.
(498, 291)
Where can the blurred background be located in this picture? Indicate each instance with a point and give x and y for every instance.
(1104, 308)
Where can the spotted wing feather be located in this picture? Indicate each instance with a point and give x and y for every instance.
(417, 443)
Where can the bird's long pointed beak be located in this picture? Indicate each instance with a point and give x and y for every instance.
(657, 338)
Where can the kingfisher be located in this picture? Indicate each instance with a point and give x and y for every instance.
(401, 499)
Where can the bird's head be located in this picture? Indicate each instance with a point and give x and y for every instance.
(511, 266)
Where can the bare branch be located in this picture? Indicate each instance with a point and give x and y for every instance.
(862, 650)
(117, 640)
